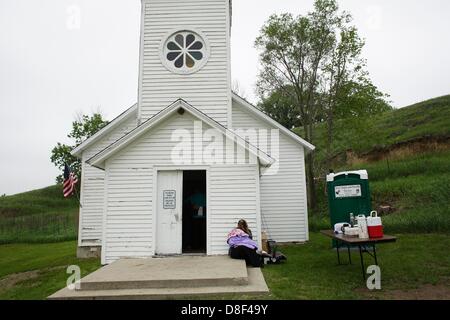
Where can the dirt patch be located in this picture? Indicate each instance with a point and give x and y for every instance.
(396, 151)
(425, 292)
(11, 280)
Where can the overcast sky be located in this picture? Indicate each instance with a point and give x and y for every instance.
(53, 66)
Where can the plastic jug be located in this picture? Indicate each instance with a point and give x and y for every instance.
(363, 232)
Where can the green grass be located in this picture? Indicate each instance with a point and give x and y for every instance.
(40, 216)
(311, 271)
(49, 261)
(427, 118)
(418, 187)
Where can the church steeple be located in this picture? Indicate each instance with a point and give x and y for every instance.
(185, 53)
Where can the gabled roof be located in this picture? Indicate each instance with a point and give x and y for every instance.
(261, 115)
(99, 159)
(132, 111)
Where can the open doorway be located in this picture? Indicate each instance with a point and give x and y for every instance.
(194, 211)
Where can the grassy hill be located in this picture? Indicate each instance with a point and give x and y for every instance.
(42, 215)
(407, 155)
(427, 121)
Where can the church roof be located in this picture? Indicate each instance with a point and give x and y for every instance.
(130, 112)
(261, 115)
(99, 159)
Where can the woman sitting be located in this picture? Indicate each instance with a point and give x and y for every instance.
(242, 245)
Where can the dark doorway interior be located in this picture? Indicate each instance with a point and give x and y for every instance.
(194, 211)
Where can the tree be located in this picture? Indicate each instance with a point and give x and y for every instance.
(292, 55)
(281, 108)
(347, 86)
(312, 64)
(360, 100)
(82, 128)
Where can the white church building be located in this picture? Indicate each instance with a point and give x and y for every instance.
(174, 173)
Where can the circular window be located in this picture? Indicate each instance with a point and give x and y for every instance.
(184, 52)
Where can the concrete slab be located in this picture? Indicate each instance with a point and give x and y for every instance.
(169, 272)
(256, 285)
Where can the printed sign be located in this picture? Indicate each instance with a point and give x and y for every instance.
(347, 191)
(169, 199)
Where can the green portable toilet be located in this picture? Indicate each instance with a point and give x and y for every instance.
(348, 192)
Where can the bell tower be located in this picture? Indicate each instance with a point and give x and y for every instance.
(185, 53)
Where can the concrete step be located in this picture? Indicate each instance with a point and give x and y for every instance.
(172, 272)
(255, 285)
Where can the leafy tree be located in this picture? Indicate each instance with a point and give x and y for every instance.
(311, 66)
(360, 100)
(82, 128)
(281, 108)
(347, 87)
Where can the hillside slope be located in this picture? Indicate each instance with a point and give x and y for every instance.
(427, 122)
(407, 154)
(42, 215)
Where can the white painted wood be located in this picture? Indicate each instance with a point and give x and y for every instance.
(209, 89)
(283, 201)
(226, 209)
(121, 205)
(170, 212)
(258, 114)
(99, 159)
(229, 123)
(104, 217)
(258, 207)
(92, 183)
(157, 169)
(283, 197)
(80, 213)
(131, 228)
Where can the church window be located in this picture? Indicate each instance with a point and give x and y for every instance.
(184, 52)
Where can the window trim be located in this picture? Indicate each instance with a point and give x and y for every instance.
(169, 65)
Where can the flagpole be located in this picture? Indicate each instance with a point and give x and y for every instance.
(67, 167)
(78, 197)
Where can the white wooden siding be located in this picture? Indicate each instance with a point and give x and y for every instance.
(283, 195)
(128, 220)
(233, 196)
(129, 216)
(92, 189)
(208, 89)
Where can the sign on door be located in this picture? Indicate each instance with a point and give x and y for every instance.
(169, 199)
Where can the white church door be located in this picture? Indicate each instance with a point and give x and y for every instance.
(169, 215)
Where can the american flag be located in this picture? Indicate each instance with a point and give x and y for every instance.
(70, 179)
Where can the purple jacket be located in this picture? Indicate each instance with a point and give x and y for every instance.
(236, 239)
